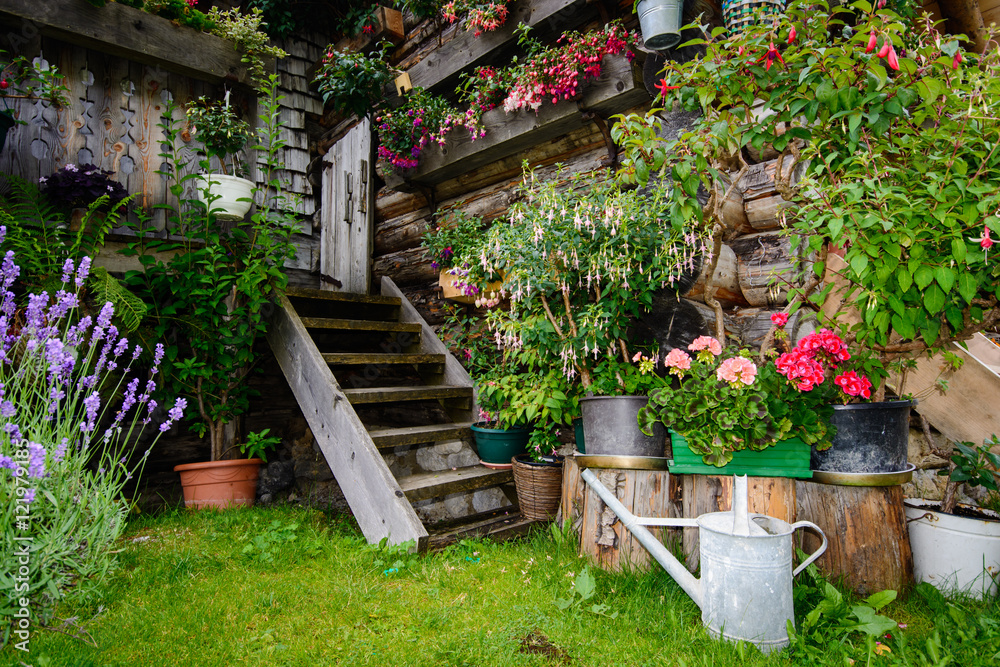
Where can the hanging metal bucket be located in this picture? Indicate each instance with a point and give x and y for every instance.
(660, 21)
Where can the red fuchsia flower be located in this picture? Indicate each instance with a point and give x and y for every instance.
(884, 51)
(677, 361)
(664, 88)
(791, 35)
(736, 371)
(781, 319)
(892, 59)
(853, 384)
(984, 241)
(956, 60)
(770, 56)
(872, 42)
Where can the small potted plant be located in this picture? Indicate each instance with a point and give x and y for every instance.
(75, 188)
(453, 246)
(224, 134)
(353, 82)
(227, 482)
(957, 547)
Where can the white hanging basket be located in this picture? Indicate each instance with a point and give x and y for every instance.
(229, 190)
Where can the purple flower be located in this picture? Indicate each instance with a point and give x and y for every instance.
(104, 318)
(75, 334)
(121, 346)
(82, 271)
(7, 463)
(36, 460)
(158, 354)
(91, 405)
(174, 414)
(35, 312)
(7, 409)
(60, 452)
(68, 269)
(65, 302)
(29, 496)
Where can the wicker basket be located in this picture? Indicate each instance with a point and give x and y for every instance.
(738, 14)
(539, 488)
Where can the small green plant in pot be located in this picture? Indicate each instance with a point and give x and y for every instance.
(224, 134)
(353, 82)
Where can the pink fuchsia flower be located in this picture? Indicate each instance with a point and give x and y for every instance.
(664, 88)
(892, 60)
(853, 384)
(884, 51)
(781, 319)
(956, 61)
(770, 56)
(737, 370)
(872, 41)
(677, 361)
(984, 241)
(791, 35)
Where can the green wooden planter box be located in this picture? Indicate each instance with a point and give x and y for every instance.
(788, 458)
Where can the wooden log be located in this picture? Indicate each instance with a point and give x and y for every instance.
(406, 267)
(963, 17)
(767, 213)
(767, 268)
(603, 539)
(732, 210)
(758, 181)
(725, 279)
(402, 233)
(702, 494)
(754, 323)
(869, 548)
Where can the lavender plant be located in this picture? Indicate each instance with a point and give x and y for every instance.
(67, 448)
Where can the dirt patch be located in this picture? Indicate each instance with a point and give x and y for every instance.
(537, 643)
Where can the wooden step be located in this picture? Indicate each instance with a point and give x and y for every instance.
(342, 297)
(433, 484)
(376, 358)
(359, 325)
(415, 435)
(498, 525)
(395, 394)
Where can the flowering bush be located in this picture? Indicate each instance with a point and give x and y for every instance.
(353, 82)
(580, 259)
(65, 452)
(404, 132)
(452, 237)
(485, 89)
(557, 72)
(481, 16)
(721, 401)
(75, 186)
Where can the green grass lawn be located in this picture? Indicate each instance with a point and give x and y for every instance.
(290, 586)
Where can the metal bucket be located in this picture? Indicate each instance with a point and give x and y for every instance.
(611, 427)
(660, 21)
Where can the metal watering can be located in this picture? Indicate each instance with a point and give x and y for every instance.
(745, 590)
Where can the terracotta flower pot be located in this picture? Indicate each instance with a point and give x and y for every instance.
(219, 484)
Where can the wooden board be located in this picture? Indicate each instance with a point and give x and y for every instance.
(132, 34)
(702, 494)
(970, 410)
(869, 549)
(378, 504)
(347, 224)
(603, 538)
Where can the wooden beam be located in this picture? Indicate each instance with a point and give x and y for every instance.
(135, 35)
(441, 68)
(964, 17)
(615, 90)
(372, 492)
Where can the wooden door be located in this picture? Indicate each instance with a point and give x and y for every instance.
(347, 219)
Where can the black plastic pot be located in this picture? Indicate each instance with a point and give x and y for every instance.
(870, 438)
(611, 427)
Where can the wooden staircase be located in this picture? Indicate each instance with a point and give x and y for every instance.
(375, 385)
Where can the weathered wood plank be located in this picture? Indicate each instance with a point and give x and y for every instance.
(378, 503)
(358, 325)
(406, 267)
(364, 395)
(354, 359)
(130, 33)
(344, 297)
(415, 435)
(433, 484)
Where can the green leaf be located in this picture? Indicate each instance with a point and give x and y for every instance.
(585, 585)
(945, 277)
(958, 250)
(880, 599)
(934, 299)
(904, 278)
(923, 276)
(859, 263)
(967, 286)
(871, 623)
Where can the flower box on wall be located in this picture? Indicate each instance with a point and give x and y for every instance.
(787, 458)
(388, 27)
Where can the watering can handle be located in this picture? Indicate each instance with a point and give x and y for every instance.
(816, 554)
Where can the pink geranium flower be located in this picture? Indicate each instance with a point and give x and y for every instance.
(677, 361)
(706, 343)
(737, 370)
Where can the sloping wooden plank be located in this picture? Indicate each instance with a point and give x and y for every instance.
(415, 435)
(364, 395)
(375, 498)
(433, 484)
(969, 411)
(131, 33)
(617, 89)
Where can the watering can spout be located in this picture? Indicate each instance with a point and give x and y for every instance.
(687, 581)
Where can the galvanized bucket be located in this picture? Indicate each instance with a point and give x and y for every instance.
(660, 21)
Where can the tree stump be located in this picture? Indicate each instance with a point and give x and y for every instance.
(603, 538)
(869, 548)
(702, 494)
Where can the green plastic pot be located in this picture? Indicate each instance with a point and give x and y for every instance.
(497, 446)
(786, 458)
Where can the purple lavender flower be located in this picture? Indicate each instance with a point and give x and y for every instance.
(13, 431)
(7, 409)
(36, 460)
(136, 352)
(91, 405)
(68, 269)
(158, 354)
(35, 312)
(82, 271)
(174, 414)
(60, 452)
(104, 318)
(29, 496)
(121, 346)
(76, 333)
(60, 361)
(7, 463)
